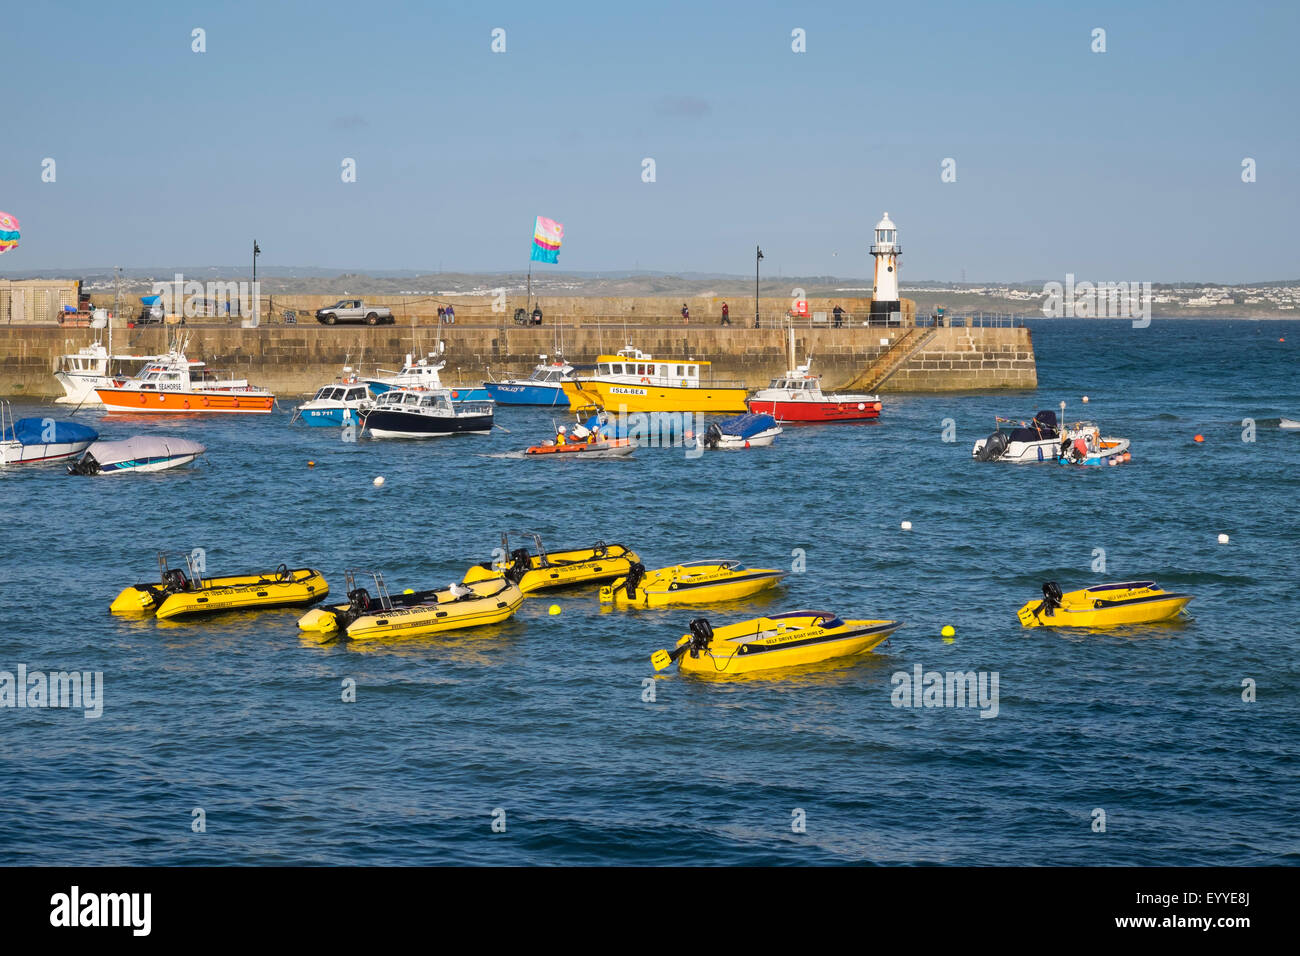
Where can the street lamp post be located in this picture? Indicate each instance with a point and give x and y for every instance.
(758, 255)
(256, 304)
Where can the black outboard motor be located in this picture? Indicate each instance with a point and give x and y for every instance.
(1051, 599)
(712, 436)
(520, 563)
(994, 446)
(634, 575)
(701, 636)
(86, 465)
(174, 581)
(359, 601)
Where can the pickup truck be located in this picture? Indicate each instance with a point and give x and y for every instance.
(354, 310)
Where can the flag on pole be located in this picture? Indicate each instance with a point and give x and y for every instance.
(547, 237)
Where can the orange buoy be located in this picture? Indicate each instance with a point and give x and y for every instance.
(1199, 438)
(311, 464)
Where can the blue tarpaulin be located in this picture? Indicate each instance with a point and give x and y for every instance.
(746, 426)
(32, 431)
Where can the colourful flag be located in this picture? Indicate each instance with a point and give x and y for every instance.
(546, 240)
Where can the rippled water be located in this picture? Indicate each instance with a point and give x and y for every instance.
(543, 717)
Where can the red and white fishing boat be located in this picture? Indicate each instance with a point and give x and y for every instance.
(173, 384)
(798, 397)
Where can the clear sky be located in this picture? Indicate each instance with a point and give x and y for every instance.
(1123, 165)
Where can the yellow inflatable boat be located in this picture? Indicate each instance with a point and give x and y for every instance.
(1106, 605)
(368, 617)
(184, 592)
(699, 582)
(780, 640)
(540, 570)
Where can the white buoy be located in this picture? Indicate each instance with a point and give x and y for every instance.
(379, 481)
(907, 526)
(1223, 539)
(1085, 399)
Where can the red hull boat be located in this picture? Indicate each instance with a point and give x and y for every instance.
(798, 397)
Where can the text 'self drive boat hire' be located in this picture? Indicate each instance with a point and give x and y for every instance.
(380, 615)
(1037, 440)
(185, 592)
(779, 640)
(697, 582)
(174, 384)
(636, 382)
(339, 404)
(422, 373)
(798, 398)
(426, 413)
(141, 453)
(744, 431)
(539, 570)
(545, 386)
(1106, 605)
(40, 441)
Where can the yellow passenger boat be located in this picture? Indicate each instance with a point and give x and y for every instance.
(697, 582)
(633, 381)
(540, 570)
(368, 617)
(779, 640)
(184, 592)
(1106, 605)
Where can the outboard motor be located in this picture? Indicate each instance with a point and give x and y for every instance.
(701, 636)
(994, 446)
(712, 436)
(359, 601)
(634, 575)
(520, 563)
(174, 581)
(1051, 599)
(86, 465)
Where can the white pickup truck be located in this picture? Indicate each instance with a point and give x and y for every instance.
(354, 310)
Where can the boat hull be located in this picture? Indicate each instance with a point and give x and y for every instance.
(215, 595)
(563, 569)
(615, 448)
(142, 454)
(1110, 451)
(458, 393)
(79, 388)
(521, 393)
(14, 453)
(618, 397)
(786, 412)
(1107, 606)
(429, 613)
(328, 417)
(392, 424)
(207, 402)
(689, 584)
(727, 657)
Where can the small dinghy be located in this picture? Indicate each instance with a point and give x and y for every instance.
(601, 448)
(1083, 444)
(40, 441)
(781, 640)
(754, 430)
(539, 570)
(380, 615)
(1106, 605)
(1290, 423)
(698, 582)
(139, 453)
(184, 592)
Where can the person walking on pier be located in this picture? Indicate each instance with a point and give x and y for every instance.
(686, 314)
(839, 317)
(726, 314)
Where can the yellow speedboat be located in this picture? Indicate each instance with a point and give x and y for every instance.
(540, 570)
(184, 592)
(699, 582)
(780, 640)
(369, 617)
(1106, 605)
(633, 381)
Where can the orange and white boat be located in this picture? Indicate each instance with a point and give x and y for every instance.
(174, 384)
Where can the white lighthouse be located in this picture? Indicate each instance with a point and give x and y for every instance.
(884, 294)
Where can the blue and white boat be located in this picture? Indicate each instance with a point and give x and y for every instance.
(39, 441)
(339, 404)
(544, 387)
(141, 453)
(422, 373)
(754, 430)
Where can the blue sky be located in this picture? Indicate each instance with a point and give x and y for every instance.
(1123, 165)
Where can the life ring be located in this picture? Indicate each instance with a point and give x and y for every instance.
(187, 403)
(455, 394)
(644, 380)
(862, 407)
(205, 401)
(143, 400)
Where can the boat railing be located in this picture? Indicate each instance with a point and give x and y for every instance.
(381, 589)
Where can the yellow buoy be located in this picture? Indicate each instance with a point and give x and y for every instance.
(554, 609)
(948, 630)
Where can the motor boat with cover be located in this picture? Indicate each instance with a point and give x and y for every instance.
(1105, 605)
(540, 570)
(139, 453)
(633, 381)
(40, 441)
(338, 404)
(185, 592)
(423, 373)
(175, 384)
(1036, 440)
(751, 430)
(798, 397)
(545, 386)
(777, 640)
(425, 413)
(1083, 444)
(695, 582)
(382, 615)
